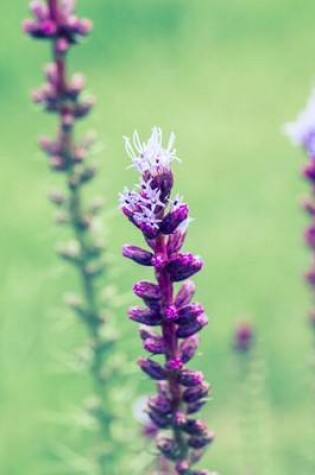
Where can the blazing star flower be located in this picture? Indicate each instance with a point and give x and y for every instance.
(302, 133)
(170, 321)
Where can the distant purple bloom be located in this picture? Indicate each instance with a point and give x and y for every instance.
(56, 21)
(243, 337)
(163, 222)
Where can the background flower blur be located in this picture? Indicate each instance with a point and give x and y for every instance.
(224, 75)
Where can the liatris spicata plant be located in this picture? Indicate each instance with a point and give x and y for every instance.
(163, 222)
(254, 451)
(56, 22)
(302, 134)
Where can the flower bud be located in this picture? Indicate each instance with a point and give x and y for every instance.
(183, 266)
(76, 85)
(195, 427)
(189, 313)
(195, 393)
(310, 277)
(175, 242)
(57, 198)
(310, 236)
(70, 251)
(147, 290)
(82, 109)
(309, 171)
(163, 421)
(152, 369)
(149, 231)
(84, 27)
(189, 329)
(87, 174)
(168, 448)
(185, 294)
(188, 348)
(190, 378)
(182, 467)
(160, 404)
(308, 206)
(145, 333)
(195, 406)
(154, 345)
(145, 316)
(199, 442)
(174, 219)
(162, 180)
(39, 10)
(138, 255)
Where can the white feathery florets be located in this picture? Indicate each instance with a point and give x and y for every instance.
(150, 155)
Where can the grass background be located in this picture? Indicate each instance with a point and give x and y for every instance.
(224, 75)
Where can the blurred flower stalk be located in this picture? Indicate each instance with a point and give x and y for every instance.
(254, 418)
(163, 222)
(62, 94)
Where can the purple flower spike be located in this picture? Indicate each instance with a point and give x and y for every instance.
(62, 94)
(302, 133)
(164, 222)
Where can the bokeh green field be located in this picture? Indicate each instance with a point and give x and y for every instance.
(224, 75)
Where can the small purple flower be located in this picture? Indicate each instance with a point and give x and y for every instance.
(243, 337)
(164, 222)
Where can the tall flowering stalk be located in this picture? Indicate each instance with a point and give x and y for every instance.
(302, 134)
(163, 222)
(254, 419)
(56, 22)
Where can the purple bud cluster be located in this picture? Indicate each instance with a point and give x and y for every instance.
(56, 21)
(170, 321)
(243, 337)
(302, 133)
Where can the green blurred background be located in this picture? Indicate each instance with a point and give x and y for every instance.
(224, 75)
